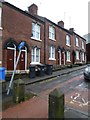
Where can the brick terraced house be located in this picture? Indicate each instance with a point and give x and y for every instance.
(45, 41)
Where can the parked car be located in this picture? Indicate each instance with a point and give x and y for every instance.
(87, 72)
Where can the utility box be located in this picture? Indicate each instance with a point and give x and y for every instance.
(56, 104)
(2, 73)
(18, 91)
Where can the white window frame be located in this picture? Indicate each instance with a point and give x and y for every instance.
(82, 44)
(0, 18)
(77, 42)
(67, 40)
(83, 56)
(77, 55)
(52, 53)
(35, 31)
(68, 56)
(34, 55)
(52, 33)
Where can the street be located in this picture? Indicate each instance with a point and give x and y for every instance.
(74, 87)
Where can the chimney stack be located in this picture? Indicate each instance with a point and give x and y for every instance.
(71, 29)
(61, 23)
(33, 9)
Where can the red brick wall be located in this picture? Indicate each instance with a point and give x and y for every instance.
(19, 27)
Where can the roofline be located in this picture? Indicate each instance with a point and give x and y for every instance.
(21, 11)
(59, 26)
(79, 36)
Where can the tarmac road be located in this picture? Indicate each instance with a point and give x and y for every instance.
(52, 82)
(75, 88)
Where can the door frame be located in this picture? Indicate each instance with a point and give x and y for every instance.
(10, 48)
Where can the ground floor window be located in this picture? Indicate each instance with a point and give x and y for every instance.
(35, 56)
(83, 56)
(52, 52)
(77, 55)
(68, 55)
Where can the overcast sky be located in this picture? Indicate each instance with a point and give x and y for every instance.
(74, 13)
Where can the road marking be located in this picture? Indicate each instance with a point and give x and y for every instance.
(77, 98)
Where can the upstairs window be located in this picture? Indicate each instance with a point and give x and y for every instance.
(77, 42)
(51, 32)
(82, 45)
(67, 40)
(36, 31)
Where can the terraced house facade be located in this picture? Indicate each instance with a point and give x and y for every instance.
(45, 41)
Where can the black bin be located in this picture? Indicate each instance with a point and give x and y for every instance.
(32, 72)
(41, 70)
(49, 69)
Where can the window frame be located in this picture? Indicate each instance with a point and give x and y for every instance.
(77, 41)
(52, 53)
(83, 58)
(34, 55)
(68, 41)
(35, 31)
(1, 18)
(52, 33)
(68, 54)
(82, 44)
(77, 55)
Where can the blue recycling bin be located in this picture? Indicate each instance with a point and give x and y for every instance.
(2, 73)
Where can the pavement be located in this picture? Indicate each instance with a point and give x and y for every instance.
(37, 107)
(55, 74)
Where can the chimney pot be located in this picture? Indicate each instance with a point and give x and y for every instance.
(33, 9)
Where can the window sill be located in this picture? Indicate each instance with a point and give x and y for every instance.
(1, 28)
(52, 39)
(77, 59)
(34, 63)
(68, 45)
(77, 46)
(36, 39)
(52, 59)
(68, 61)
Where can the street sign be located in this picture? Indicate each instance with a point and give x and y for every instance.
(21, 45)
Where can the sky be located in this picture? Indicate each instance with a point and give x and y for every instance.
(74, 13)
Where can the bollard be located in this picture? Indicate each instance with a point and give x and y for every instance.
(18, 91)
(56, 104)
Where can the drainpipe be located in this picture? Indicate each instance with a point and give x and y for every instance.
(44, 41)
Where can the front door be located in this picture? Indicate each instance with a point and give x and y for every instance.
(22, 61)
(62, 58)
(10, 59)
